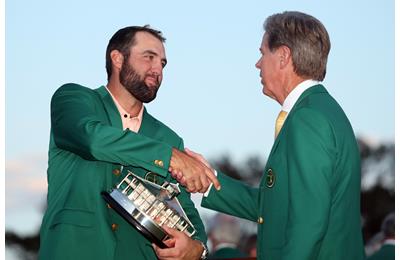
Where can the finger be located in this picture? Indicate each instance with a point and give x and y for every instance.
(173, 174)
(190, 152)
(198, 184)
(194, 154)
(190, 187)
(183, 181)
(169, 242)
(172, 233)
(197, 156)
(166, 252)
(211, 176)
(179, 175)
(205, 183)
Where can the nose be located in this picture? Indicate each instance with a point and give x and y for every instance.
(258, 66)
(157, 68)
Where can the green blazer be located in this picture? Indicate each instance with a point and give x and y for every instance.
(307, 204)
(386, 252)
(90, 153)
(227, 252)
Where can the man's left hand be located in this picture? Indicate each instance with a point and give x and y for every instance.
(180, 247)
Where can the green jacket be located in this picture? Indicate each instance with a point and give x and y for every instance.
(386, 252)
(227, 252)
(308, 200)
(90, 153)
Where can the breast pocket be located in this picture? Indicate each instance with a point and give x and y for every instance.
(274, 203)
(76, 217)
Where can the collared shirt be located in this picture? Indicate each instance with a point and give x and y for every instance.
(296, 93)
(224, 245)
(287, 106)
(128, 121)
(388, 242)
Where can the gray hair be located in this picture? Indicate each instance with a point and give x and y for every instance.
(225, 229)
(388, 227)
(307, 39)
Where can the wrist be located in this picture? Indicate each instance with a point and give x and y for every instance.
(203, 250)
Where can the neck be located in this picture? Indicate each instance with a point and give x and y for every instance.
(124, 98)
(289, 84)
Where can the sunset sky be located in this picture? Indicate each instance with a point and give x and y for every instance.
(211, 94)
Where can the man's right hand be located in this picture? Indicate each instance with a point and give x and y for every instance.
(192, 173)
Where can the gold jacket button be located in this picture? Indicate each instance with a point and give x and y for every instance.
(116, 172)
(260, 220)
(114, 226)
(161, 163)
(109, 206)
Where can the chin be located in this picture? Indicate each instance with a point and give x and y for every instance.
(268, 94)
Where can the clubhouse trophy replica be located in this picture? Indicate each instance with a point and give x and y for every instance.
(148, 206)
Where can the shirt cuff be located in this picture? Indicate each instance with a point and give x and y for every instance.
(211, 184)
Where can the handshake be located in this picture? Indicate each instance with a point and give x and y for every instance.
(192, 171)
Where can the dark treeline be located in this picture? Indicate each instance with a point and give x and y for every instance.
(377, 196)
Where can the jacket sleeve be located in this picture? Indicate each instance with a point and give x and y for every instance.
(310, 161)
(234, 198)
(191, 211)
(78, 128)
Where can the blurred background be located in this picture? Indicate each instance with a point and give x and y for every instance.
(211, 94)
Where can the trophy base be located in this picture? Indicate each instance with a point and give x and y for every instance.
(140, 222)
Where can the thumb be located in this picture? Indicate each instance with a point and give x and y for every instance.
(191, 153)
(187, 150)
(173, 233)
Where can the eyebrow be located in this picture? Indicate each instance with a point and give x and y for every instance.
(155, 54)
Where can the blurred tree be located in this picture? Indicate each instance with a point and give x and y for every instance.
(25, 246)
(376, 203)
(377, 196)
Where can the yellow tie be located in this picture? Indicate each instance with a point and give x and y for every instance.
(279, 122)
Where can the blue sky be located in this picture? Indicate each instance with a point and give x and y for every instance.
(211, 94)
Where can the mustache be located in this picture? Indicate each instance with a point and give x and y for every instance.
(154, 76)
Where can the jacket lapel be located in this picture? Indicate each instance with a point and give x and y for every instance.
(148, 127)
(112, 111)
(312, 90)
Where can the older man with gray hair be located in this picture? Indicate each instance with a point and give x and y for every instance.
(224, 234)
(307, 204)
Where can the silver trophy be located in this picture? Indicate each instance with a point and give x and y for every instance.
(148, 206)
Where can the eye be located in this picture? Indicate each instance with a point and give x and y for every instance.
(150, 57)
(163, 63)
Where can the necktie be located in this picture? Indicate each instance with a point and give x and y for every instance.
(279, 122)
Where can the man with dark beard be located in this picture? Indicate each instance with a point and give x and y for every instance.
(97, 136)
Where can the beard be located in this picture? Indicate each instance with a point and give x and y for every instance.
(132, 82)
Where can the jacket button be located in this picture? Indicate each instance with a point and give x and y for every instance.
(159, 163)
(260, 220)
(109, 206)
(116, 172)
(114, 226)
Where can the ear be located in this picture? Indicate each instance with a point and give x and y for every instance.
(117, 58)
(285, 55)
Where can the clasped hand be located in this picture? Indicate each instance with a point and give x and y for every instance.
(192, 171)
(180, 247)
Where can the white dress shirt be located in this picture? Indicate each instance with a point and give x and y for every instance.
(294, 95)
(288, 104)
